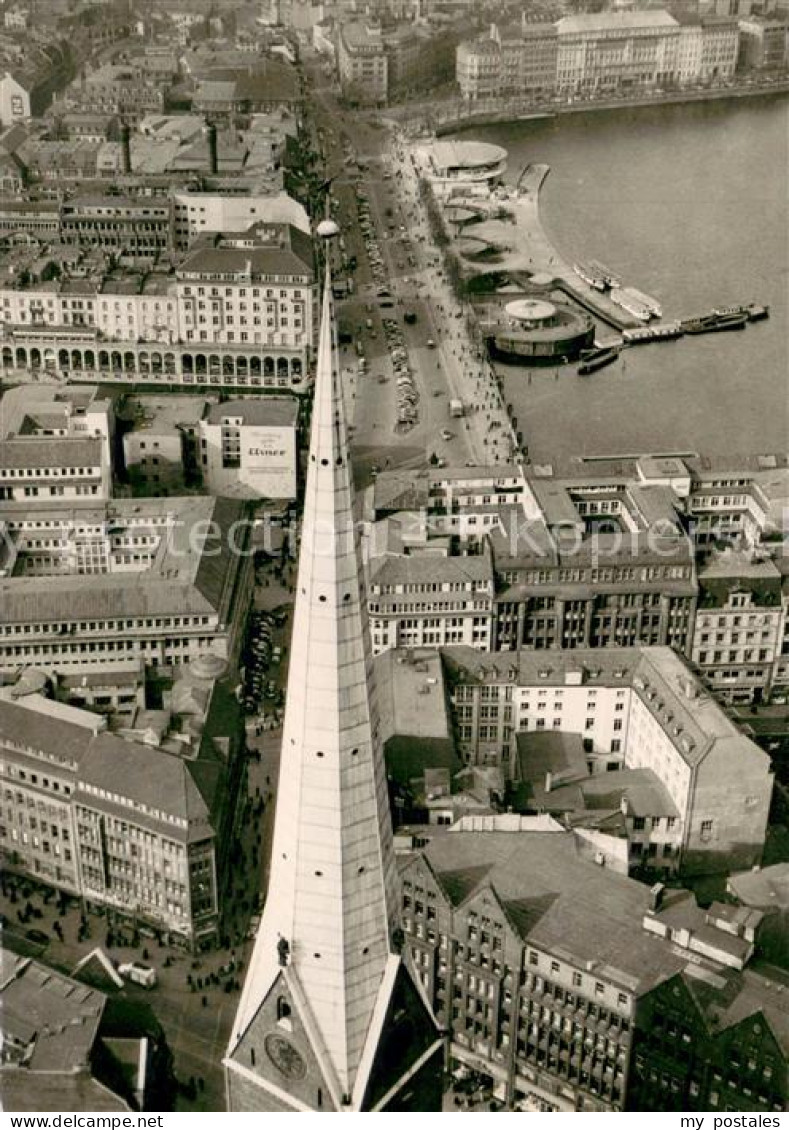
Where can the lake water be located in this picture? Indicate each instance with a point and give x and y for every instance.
(690, 204)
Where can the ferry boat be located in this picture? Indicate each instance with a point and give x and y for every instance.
(753, 311)
(594, 359)
(652, 305)
(611, 280)
(633, 306)
(592, 278)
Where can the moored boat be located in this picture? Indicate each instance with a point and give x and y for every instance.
(628, 302)
(592, 278)
(712, 323)
(594, 359)
(651, 304)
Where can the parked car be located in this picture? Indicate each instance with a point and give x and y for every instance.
(139, 974)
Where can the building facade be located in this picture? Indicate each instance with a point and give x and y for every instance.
(363, 63)
(637, 710)
(124, 826)
(549, 1011)
(237, 314)
(248, 448)
(109, 585)
(426, 600)
(594, 55)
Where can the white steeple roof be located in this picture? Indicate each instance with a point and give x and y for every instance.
(332, 893)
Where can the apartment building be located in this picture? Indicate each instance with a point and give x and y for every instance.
(99, 586)
(117, 822)
(542, 965)
(428, 600)
(702, 792)
(55, 443)
(118, 88)
(712, 1045)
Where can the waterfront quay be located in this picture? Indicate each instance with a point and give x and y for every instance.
(457, 113)
(544, 259)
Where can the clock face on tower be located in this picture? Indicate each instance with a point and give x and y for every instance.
(285, 1057)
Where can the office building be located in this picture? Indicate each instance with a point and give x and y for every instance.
(55, 443)
(102, 585)
(763, 42)
(701, 797)
(137, 827)
(425, 599)
(248, 448)
(363, 63)
(547, 967)
(739, 628)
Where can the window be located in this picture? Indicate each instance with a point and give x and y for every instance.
(706, 829)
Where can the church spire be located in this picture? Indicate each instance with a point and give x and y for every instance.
(326, 947)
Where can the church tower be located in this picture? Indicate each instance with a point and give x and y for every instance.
(330, 1018)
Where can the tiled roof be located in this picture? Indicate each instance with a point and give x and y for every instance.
(553, 895)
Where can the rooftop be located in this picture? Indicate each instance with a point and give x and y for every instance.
(271, 411)
(45, 1011)
(188, 575)
(587, 22)
(41, 452)
(465, 154)
(411, 697)
(765, 887)
(552, 895)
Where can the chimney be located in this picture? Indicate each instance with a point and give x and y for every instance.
(548, 781)
(656, 896)
(125, 149)
(213, 156)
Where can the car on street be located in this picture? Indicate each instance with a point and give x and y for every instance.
(446, 433)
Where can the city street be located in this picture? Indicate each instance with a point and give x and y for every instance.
(448, 368)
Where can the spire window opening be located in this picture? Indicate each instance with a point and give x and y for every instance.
(283, 1015)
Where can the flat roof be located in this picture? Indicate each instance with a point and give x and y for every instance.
(614, 21)
(466, 154)
(273, 411)
(411, 694)
(182, 579)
